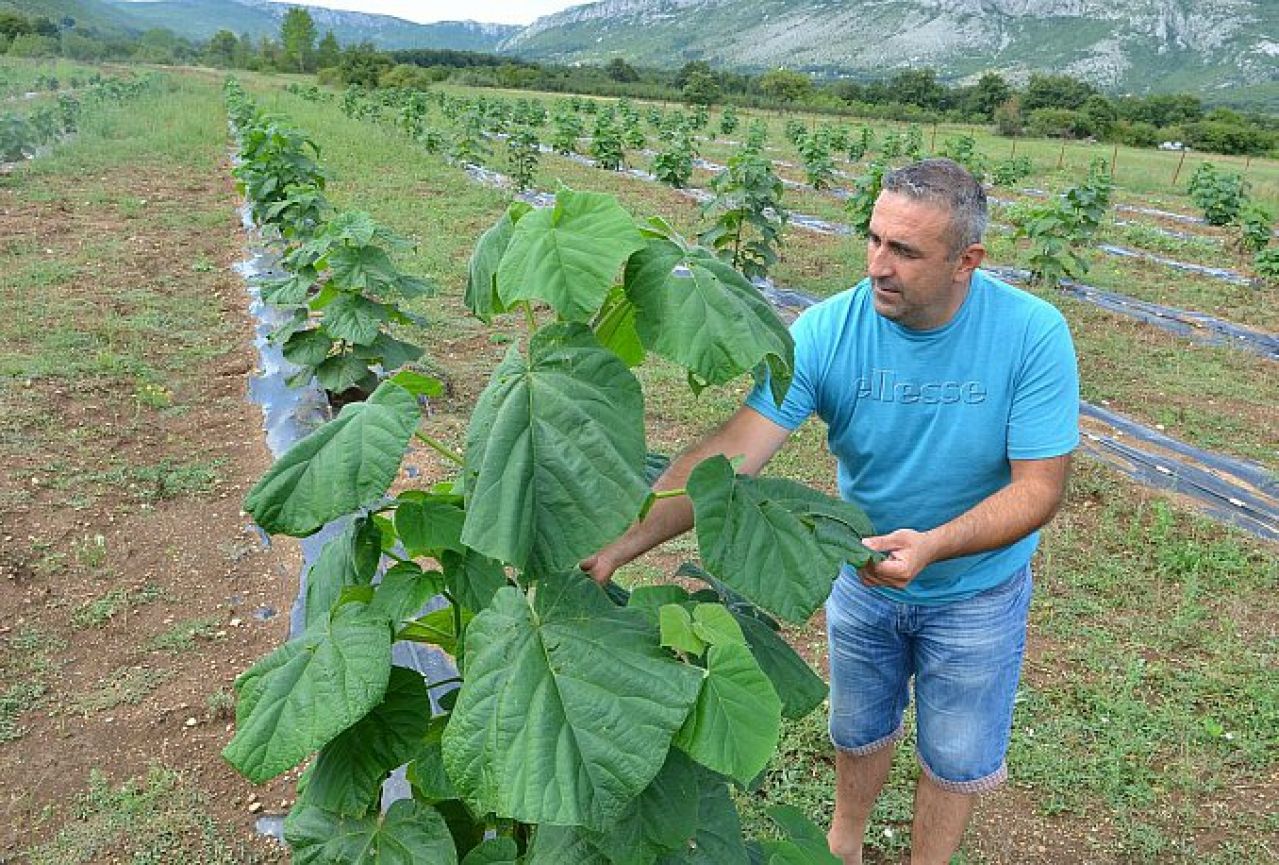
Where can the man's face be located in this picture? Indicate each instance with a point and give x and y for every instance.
(915, 279)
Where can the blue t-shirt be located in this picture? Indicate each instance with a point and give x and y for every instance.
(924, 422)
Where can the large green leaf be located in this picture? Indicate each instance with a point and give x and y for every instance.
(719, 829)
(734, 727)
(404, 590)
(777, 542)
(428, 524)
(392, 353)
(494, 851)
(800, 689)
(409, 834)
(569, 705)
(615, 328)
(302, 695)
(568, 254)
(662, 819)
(472, 578)
(348, 774)
(554, 453)
(805, 845)
(354, 318)
(695, 310)
(308, 347)
(426, 773)
(350, 559)
(343, 466)
(481, 283)
(342, 372)
(564, 845)
(363, 268)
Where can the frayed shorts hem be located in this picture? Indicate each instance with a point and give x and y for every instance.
(980, 785)
(878, 745)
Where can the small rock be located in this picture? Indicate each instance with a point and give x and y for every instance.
(235, 623)
(191, 722)
(255, 807)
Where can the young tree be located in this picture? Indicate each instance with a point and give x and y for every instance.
(244, 51)
(785, 86)
(328, 54)
(701, 89)
(297, 35)
(221, 49)
(621, 71)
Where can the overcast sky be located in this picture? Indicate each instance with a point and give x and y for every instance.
(426, 11)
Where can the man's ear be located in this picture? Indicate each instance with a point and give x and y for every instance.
(970, 259)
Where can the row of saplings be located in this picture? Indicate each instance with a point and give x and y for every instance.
(22, 135)
(1223, 198)
(583, 725)
(1058, 232)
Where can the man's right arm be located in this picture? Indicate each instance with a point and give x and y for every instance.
(747, 434)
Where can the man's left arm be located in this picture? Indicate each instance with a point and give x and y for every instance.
(1028, 502)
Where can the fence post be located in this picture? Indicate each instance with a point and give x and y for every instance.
(932, 144)
(1180, 161)
(1114, 160)
(1061, 157)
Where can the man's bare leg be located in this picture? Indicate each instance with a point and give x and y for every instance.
(940, 818)
(858, 780)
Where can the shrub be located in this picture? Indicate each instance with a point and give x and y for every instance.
(1220, 195)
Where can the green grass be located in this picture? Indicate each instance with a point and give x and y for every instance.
(28, 660)
(101, 610)
(127, 685)
(153, 820)
(185, 635)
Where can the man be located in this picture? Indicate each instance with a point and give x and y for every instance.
(952, 406)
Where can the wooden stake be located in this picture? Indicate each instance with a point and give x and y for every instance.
(932, 145)
(1180, 161)
(1013, 155)
(1114, 160)
(1061, 157)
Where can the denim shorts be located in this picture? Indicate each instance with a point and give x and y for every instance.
(966, 660)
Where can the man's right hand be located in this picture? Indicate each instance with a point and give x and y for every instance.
(598, 568)
(747, 434)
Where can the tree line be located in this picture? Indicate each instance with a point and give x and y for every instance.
(1045, 105)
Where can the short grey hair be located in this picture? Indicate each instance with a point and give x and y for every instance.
(947, 183)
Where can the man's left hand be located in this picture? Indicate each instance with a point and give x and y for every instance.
(909, 552)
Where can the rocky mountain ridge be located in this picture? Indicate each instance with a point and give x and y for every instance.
(1119, 44)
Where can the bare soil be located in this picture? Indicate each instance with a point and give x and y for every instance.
(172, 552)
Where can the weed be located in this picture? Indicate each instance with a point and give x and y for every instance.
(14, 701)
(221, 704)
(124, 685)
(89, 552)
(182, 637)
(98, 612)
(154, 820)
(152, 395)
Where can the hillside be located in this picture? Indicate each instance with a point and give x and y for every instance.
(1133, 45)
(200, 19)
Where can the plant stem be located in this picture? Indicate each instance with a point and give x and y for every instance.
(456, 680)
(529, 317)
(670, 494)
(440, 448)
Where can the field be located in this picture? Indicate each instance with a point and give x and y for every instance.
(137, 589)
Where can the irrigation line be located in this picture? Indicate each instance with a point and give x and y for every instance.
(1195, 326)
(289, 414)
(1230, 490)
